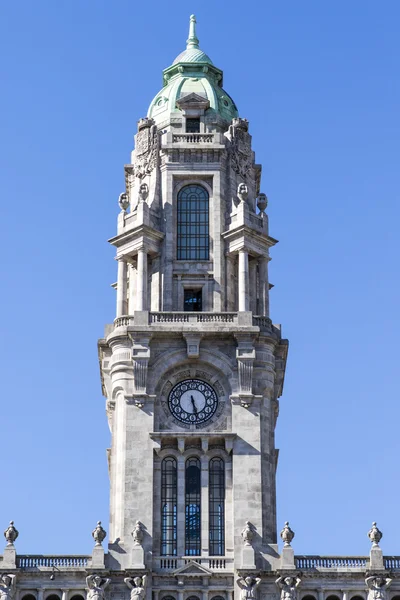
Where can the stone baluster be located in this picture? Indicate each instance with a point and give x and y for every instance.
(243, 280)
(141, 288)
(122, 308)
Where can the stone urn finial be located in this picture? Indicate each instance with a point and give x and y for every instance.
(287, 534)
(123, 201)
(262, 203)
(375, 535)
(248, 534)
(98, 534)
(137, 534)
(11, 534)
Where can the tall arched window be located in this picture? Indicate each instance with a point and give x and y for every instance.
(169, 494)
(193, 507)
(216, 489)
(193, 237)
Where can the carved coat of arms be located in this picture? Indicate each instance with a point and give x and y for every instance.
(146, 150)
(241, 154)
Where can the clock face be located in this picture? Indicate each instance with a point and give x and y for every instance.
(192, 401)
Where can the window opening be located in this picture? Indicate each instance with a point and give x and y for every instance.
(192, 125)
(217, 507)
(193, 223)
(168, 506)
(192, 300)
(192, 508)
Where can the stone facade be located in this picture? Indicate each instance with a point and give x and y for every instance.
(193, 387)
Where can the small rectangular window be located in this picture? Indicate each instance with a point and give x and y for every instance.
(192, 301)
(192, 125)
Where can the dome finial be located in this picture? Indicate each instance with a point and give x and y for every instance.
(192, 41)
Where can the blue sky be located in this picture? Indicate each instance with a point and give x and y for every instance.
(319, 84)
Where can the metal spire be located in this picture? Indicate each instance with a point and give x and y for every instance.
(192, 41)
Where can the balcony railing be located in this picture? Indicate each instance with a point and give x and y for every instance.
(192, 138)
(171, 563)
(331, 562)
(35, 561)
(194, 318)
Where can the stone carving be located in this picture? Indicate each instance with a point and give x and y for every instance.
(143, 192)
(241, 154)
(11, 534)
(242, 192)
(138, 533)
(137, 585)
(7, 586)
(287, 534)
(123, 201)
(146, 147)
(248, 533)
(96, 587)
(262, 203)
(248, 587)
(288, 587)
(98, 534)
(377, 587)
(375, 535)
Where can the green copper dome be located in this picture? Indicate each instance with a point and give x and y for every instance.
(192, 72)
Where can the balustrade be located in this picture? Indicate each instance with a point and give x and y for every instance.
(331, 562)
(26, 561)
(193, 138)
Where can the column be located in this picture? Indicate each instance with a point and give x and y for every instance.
(253, 286)
(122, 308)
(229, 283)
(321, 594)
(141, 287)
(132, 288)
(64, 594)
(264, 286)
(204, 461)
(243, 280)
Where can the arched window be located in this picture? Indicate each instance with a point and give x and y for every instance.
(218, 598)
(29, 597)
(309, 597)
(169, 494)
(168, 598)
(77, 597)
(193, 237)
(217, 506)
(193, 507)
(333, 597)
(53, 597)
(357, 598)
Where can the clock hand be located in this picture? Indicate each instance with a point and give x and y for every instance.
(194, 405)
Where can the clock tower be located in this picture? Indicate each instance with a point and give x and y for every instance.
(192, 366)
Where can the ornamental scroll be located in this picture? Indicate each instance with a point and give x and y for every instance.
(146, 147)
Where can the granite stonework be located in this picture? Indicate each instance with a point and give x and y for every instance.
(230, 344)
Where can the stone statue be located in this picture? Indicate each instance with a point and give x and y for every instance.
(96, 587)
(287, 534)
(137, 585)
(262, 203)
(137, 533)
(288, 587)
(7, 587)
(248, 534)
(11, 534)
(248, 587)
(374, 534)
(143, 192)
(123, 201)
(377, 587)
(98, 534)
(242, 192)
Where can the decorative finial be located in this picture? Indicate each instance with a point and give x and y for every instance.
(11, 534)
(262, 203)
(287, 534)
(375, 535)
(248, 533)
(138, 533)
(123, 201)
(193, 40)
(98, 534)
